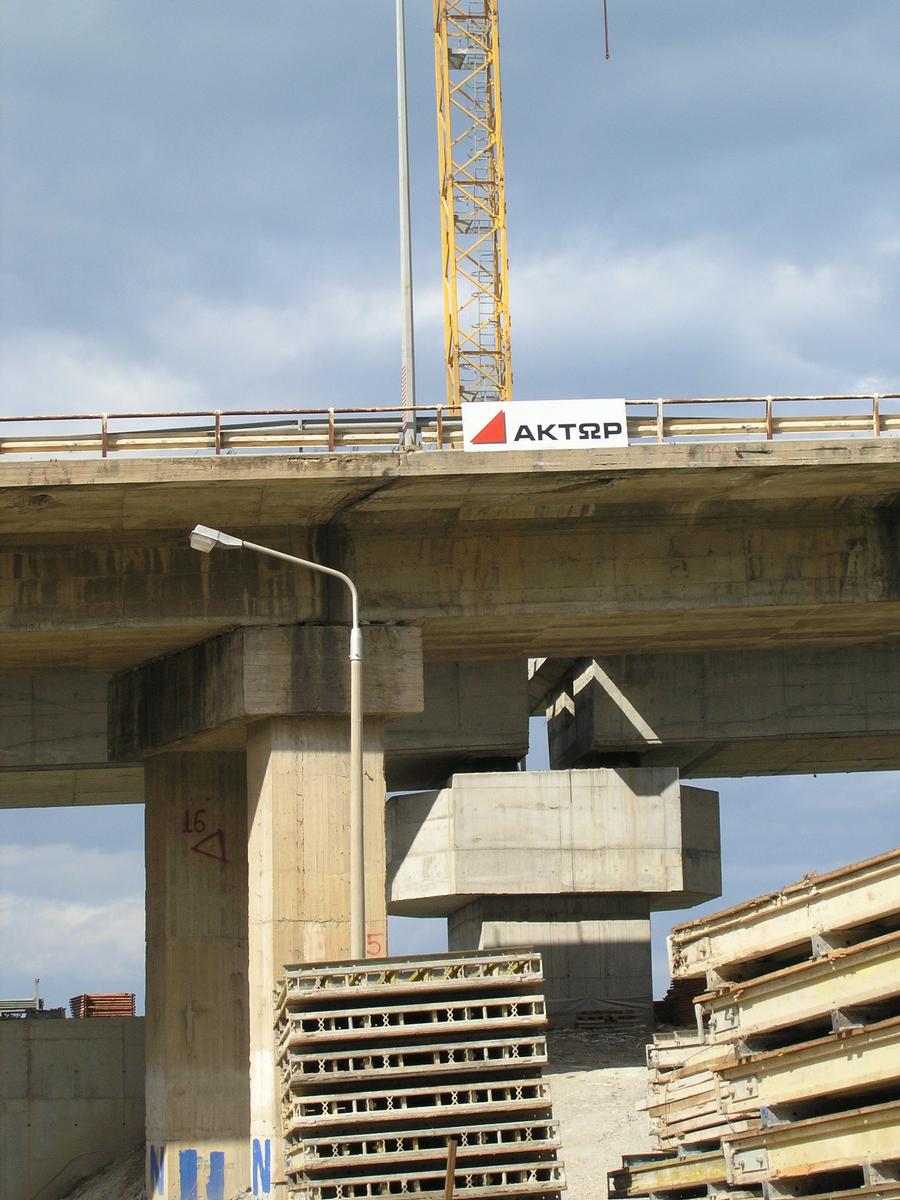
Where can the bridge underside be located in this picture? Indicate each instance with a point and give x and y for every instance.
(654, 548)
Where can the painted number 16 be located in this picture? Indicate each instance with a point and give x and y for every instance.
(194, 822)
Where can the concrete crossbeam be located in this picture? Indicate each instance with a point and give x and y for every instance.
(52, 720)
(553, 833)
(53, 735)
(63, 786)
(770, 712)
(215, 689)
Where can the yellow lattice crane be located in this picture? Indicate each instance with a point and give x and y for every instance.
(473, 201)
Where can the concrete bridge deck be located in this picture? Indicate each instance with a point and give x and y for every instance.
(675, 547)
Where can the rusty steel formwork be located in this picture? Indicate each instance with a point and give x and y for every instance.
(392, 1067)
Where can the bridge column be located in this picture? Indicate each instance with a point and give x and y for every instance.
(197, 1033)
(257, 716)
(299, 855)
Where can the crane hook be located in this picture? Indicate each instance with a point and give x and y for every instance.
(606, 26)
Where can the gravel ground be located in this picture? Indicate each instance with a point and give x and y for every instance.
(597, 1080)
(121, 1180)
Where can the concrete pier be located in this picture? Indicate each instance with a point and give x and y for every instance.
(572, 862)
(299, 854)
(197, 1027)
(245, 742)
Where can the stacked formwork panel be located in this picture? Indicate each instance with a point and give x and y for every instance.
(384, 1064)
(790, 1083)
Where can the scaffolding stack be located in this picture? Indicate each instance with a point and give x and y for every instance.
(391, 1066)
(102, 1004)
(790, 1083)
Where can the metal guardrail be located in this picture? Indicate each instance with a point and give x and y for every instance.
(235, 431)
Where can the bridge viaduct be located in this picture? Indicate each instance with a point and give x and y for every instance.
(696, 610)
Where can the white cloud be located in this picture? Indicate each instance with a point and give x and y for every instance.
(55, 870)
(74, 918)
(50, 371)
(259, 337)
(794, 325)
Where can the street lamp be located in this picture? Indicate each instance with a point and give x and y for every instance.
(205, 539)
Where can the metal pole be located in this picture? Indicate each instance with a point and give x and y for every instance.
(407, 336)
(357, 820)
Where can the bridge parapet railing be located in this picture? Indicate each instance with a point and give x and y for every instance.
(329, 430)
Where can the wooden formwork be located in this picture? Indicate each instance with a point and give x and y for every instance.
(819, 906)
(386, 1064)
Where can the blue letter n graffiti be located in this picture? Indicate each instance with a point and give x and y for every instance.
(262, 1167)
(157, 1170)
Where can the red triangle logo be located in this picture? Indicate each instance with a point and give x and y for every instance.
(494, 433)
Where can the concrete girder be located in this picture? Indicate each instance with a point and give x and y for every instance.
(503, 563)
(798, 709)
(53, 735)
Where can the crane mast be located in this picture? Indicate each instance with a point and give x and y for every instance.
(473, 201)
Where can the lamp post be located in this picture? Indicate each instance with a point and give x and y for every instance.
(205, 539)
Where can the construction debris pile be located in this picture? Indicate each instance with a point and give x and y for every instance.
(392, 1070)
(102, 1004)
(790, 1083)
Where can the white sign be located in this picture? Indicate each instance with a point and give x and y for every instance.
(545, 425)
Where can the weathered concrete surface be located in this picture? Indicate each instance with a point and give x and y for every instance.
(570, 862)
(299, 854)
(197, 1044)
(71, 1100)
(53, 726)
(596, 950)
(665, 547)
(208, 694)
(553, 833)
(475, 718)
(788, 710)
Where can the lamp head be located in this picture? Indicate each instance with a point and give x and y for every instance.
(205, 539)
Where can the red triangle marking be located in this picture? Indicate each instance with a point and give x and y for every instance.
(494, 433)
(219, 838)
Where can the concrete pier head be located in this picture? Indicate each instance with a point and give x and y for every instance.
(572, 862)
(245, 741)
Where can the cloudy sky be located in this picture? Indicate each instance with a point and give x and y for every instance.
(199, 209)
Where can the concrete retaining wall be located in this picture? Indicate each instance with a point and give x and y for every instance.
(71, 1100)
